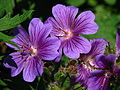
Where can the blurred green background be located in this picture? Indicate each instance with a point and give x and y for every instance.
(20, 12)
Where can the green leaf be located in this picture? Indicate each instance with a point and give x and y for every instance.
(1, 57)
(54, 87)
(6, 89)
(18, 1)
(110, 2)
(75, 2)
(6, 6)
(92, 2)
(7, 23)
(6, 38)
(59, 76)
(78, 87)
(64, 60)
(31, 87)
(67, 82)
(2, 83)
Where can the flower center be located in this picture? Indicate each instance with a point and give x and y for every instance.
(65, 34)
(33, 51)
(108, 74)
(68, 34)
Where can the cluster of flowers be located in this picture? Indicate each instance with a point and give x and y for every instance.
(61, 33)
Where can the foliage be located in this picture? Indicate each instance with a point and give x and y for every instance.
(6, 6)
(7, 22)
(75, 2)
(54, 78)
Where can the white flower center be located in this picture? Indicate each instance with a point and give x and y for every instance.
(33, 51)
(66, 34)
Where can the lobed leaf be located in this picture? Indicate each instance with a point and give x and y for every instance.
(7, 23)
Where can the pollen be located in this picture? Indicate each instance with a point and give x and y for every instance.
(68, 34)
(33, 51)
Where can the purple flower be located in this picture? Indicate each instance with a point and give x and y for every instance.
(100, 79)
(98, 47)
(67, 27)
(34, 47)
(82, 75)
(88, 60)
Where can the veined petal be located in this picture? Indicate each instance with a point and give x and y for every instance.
(42, 33)
(9, 62)
(64, 15)
(84, 23)
(105, 62)
(56, 27)
(76, 45)
(97, 47)
(57, 59)
(38, 31)
(33, 67)
(97, 81)
(32, 28)
(16, 71)
(29, 72)
(22, 38)
(116, 72)
(48, 49)
(83, 74)
(22, 34)
(39, 66)
(10, 45)
(19, 61)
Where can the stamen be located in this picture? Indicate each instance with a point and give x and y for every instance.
(65, 34)
(69, 34)
(33, 51)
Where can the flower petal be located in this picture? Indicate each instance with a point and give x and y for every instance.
(64, 15)
(42, 33)
(56, 27)
(38, 31)
(29, 73)
(22, 38)
(39, 66)
(57, 59)
(32, 28)
(97, 81)
(84, 23)
(32, 69)
(105, 62)
(98, 47)
(82, 76)
(9, 62)
(76, 45)
(19, 60)
(116, 72)
(10, 45)
(48, 49)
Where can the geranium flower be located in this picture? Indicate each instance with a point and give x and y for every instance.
(34, 48)
(100, 79)
(88, 60)
(67, 27)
